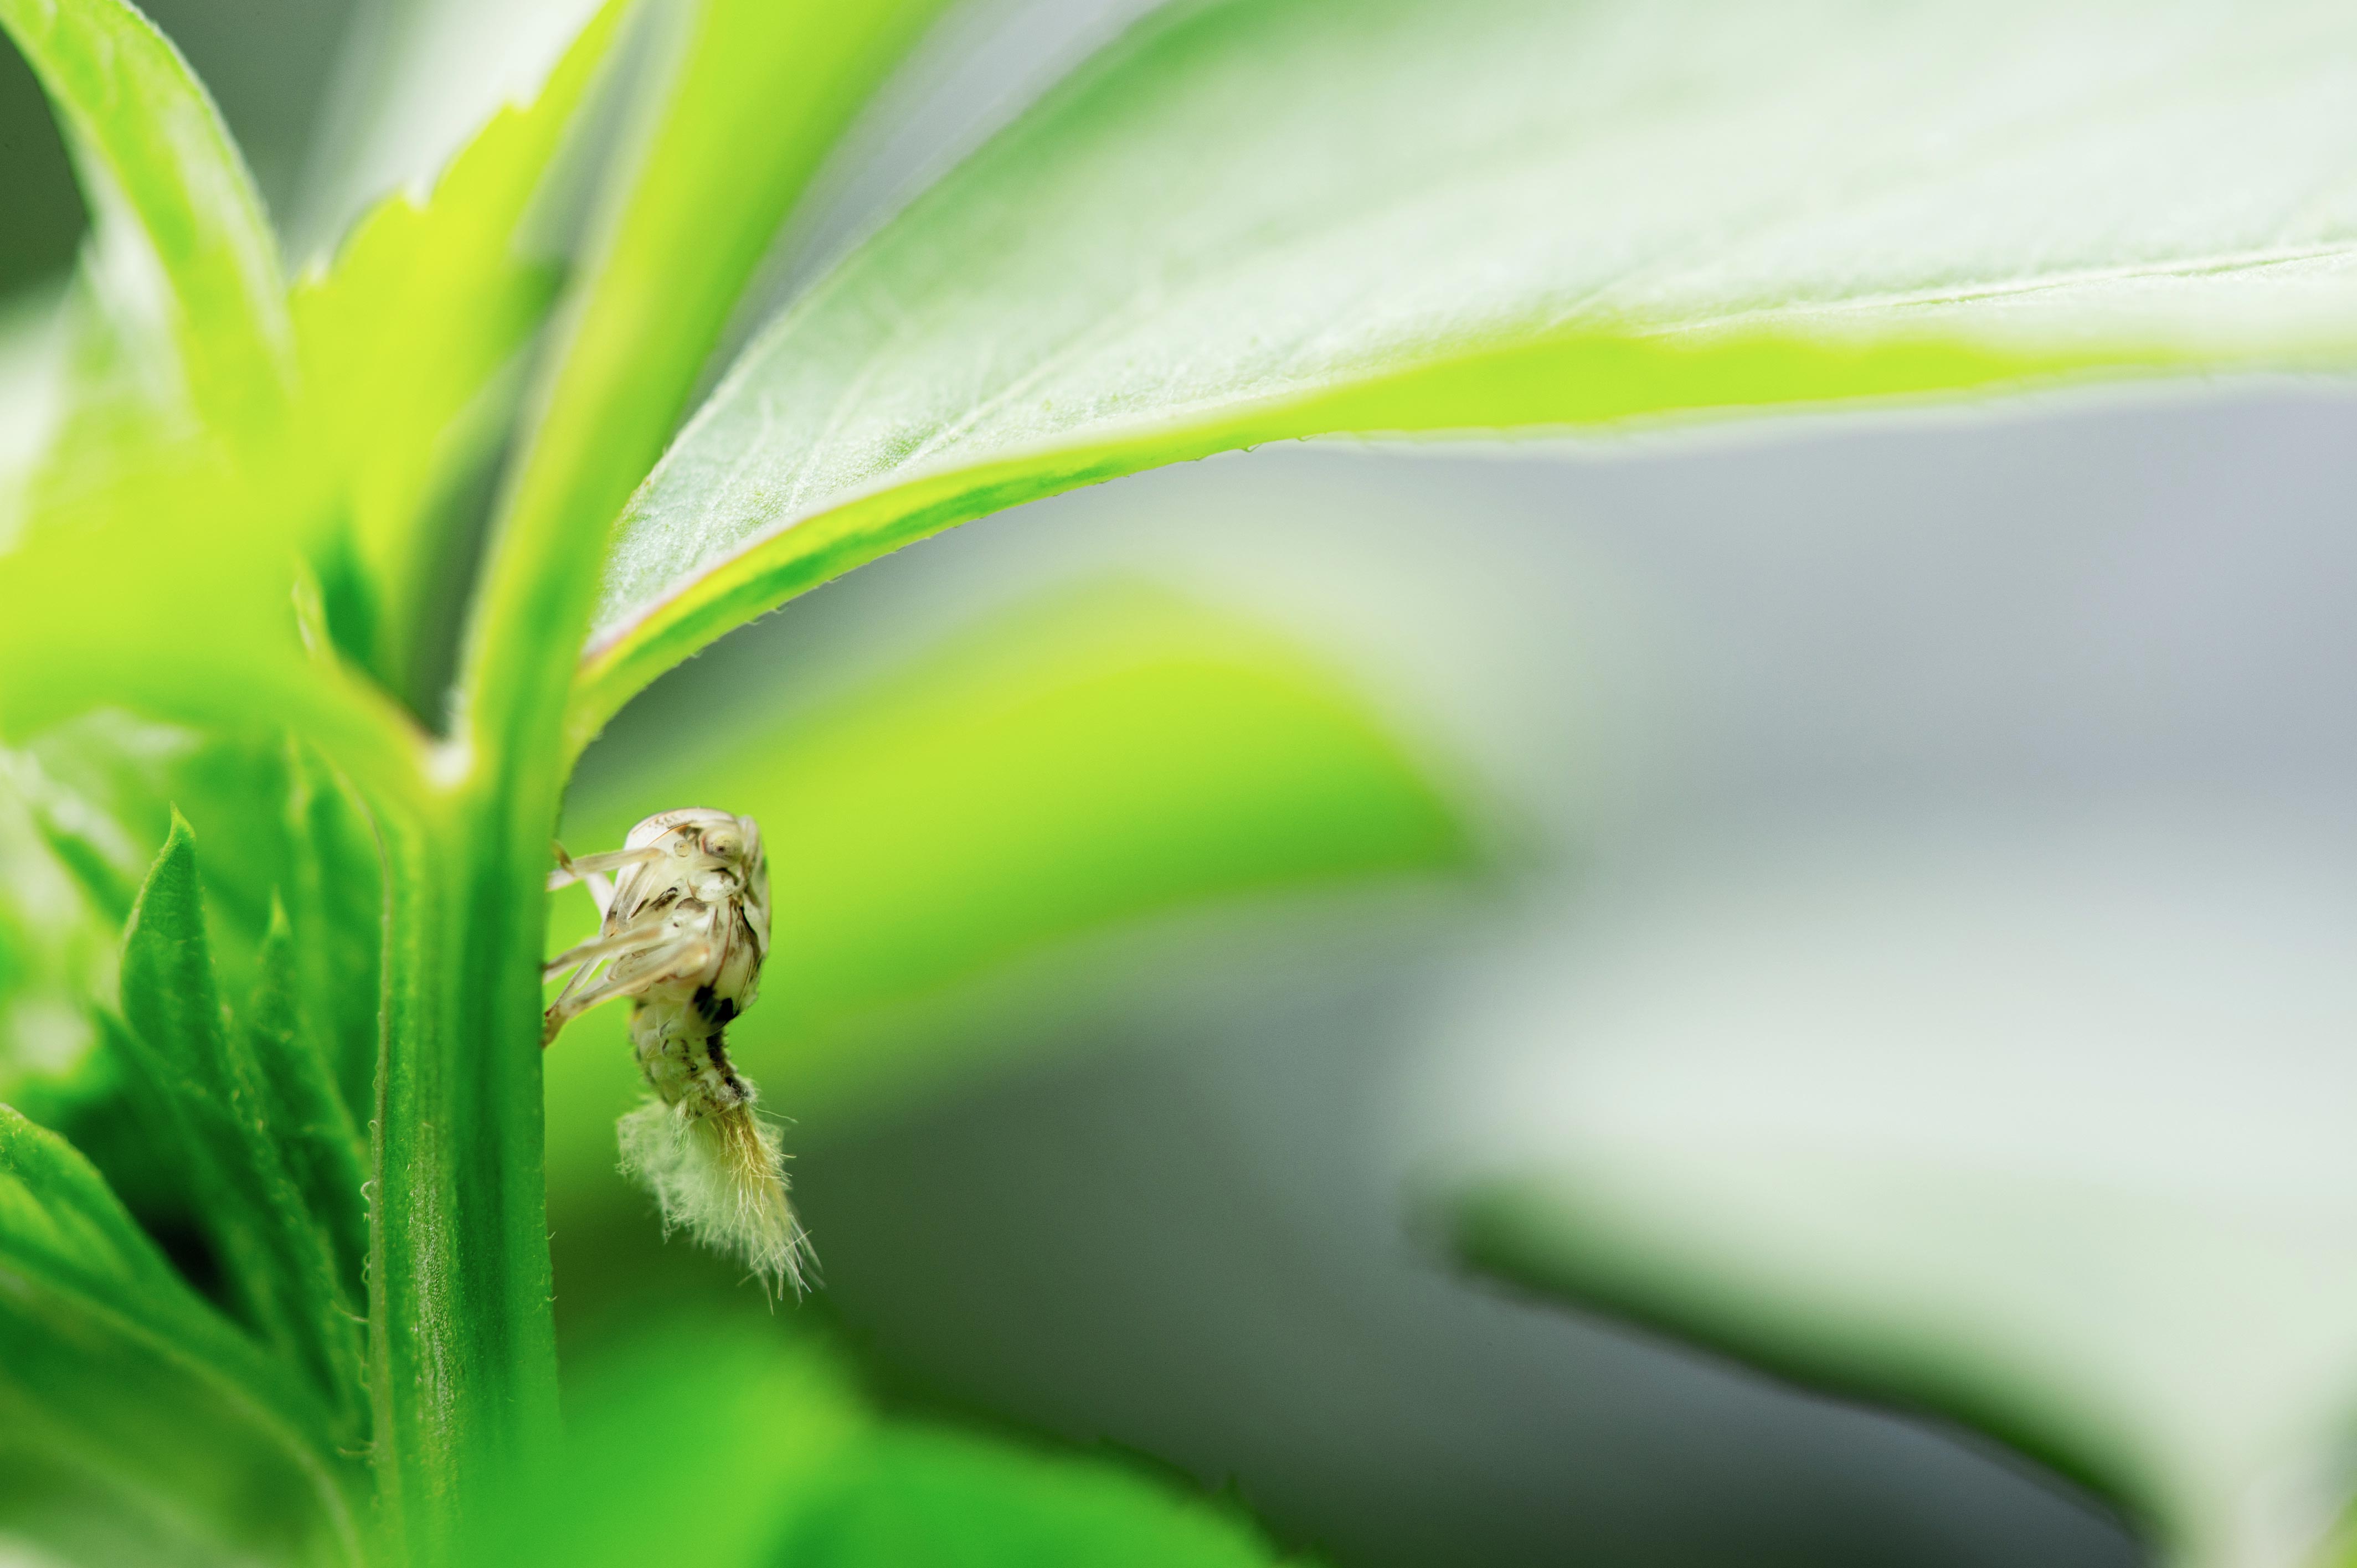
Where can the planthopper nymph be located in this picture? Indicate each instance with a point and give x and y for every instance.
(685, 928)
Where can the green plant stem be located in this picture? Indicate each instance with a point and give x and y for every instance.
(463, 1358)
(460, 1145)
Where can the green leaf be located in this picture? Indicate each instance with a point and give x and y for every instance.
(203, 1088)
(706, 1444)
(61, 1226)
(68, 876)
(336, 905)
(181, 253)
(761, 90)
(688, 1446)
(2033, 1125)
(1082, 762)
(934, 1496)
(113, 1370)
(1827, 1317)
(175, 592)
(103, 788)
(303, 1107)
(114, 783)
(153, 598)
(1253, 221)
(31, 366)
(401, 337)
(58, 1511)
(87, 852)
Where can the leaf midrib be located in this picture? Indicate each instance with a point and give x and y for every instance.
(1178, 415)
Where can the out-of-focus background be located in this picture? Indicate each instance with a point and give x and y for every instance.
(1916, 844)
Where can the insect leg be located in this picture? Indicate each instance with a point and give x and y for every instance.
(664, 962)
(607, 944)
(581, 977)
(571, 869)
(600, 886)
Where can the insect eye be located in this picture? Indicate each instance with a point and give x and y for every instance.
(720, 846)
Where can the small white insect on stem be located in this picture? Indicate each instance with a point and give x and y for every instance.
(684, 928)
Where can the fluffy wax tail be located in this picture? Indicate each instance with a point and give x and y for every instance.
(722, 1178)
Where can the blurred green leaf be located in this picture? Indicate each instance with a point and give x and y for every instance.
(1248, 222)
(178, 593)
(97, 795)
(55, 1512)
(690, 1447)
(85, 808)
(118, 603)
(57, 932)
(402, 334)
(305, 1111)
(1096, 758)
(61, 1225)
(1842, 1317)
(708, 1443)
(33, 380)
(117, 782)
(86, 851)
(111, 1369)
(181, 254)
(335, 902)
(164, 573)
(202, 1088)
(942, 1499)
(103, 789)
(2032, 1124)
